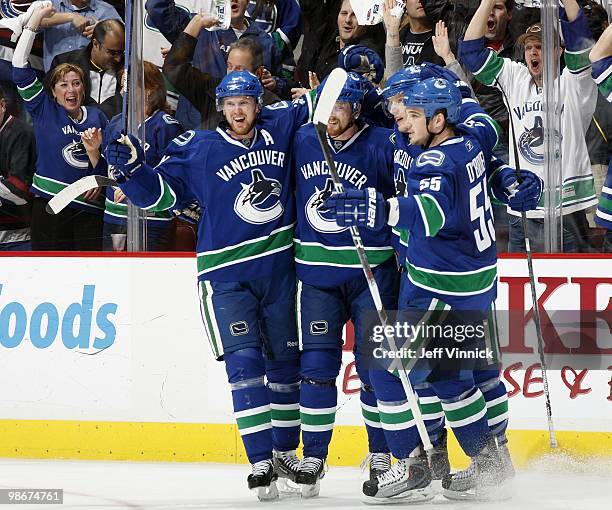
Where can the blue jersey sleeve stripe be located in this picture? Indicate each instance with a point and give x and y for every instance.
(166, 199)
(431, 213)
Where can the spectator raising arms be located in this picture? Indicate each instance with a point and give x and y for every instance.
(198, 87)
(159, 130)
(69, 37)
(100, 60)
(522, 85)
(59, 118)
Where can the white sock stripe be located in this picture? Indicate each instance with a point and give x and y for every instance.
(498, 419)
(317, 428)
(325, 410)
(256, 428)
(397, 426)
(429, 400)
(368, 408)
(393, 409)
(286, 423)
(468, 420)
(495, 401)
(285, 407)
(374, 424)
(251, 412)
(452, 406)
(433, 416)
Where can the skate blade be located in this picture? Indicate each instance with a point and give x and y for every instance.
(311, 491)
(497, 493)
(269, 493)
(287, 488)
(408, 497)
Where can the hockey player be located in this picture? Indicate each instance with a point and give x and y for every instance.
(488, 380)
(239, 176)
(332, 288)
(451, 264)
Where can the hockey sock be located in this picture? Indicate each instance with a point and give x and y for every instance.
(496, 397)
(396, 417)
(318, 399)
(466, 415)
(371, 417)
(284, 392)
(245, 370)
(433, 414)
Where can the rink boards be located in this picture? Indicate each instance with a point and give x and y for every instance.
(105, 357)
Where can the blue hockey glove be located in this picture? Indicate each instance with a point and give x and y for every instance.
(124, 154)
(362, 60)
(527, 194)
(429, 70)
(358, 208)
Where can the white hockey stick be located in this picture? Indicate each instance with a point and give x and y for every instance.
(325, 104)
(75, 190)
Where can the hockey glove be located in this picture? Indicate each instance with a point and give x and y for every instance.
(124, 154)
(527, 194)
(362, 60)
(358, 208)
(523, 196)
(429, 70)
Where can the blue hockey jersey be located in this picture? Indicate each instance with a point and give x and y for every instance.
(404, 153)
(245, 230)
(324, 252)
(159, 130)
(61, 158)
(451, 254)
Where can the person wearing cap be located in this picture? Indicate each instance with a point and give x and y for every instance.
(522, 85)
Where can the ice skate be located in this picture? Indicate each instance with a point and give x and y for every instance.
(408, 481)
(379, 463)
(486, 479)
(438, 459)
(263, 480)
(286, 465)
(309, 475)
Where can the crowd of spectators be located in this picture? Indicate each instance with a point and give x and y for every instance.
(74, 56)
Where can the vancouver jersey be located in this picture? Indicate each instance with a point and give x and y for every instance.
(245, 230)
(451, 254)
(160, 129)
(61, 158)
(324, 252)
(404, 153)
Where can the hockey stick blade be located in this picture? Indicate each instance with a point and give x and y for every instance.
(70, 193)
(329, 95)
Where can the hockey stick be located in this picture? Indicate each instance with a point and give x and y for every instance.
(325, 104)
(70, 193)
(532, 285)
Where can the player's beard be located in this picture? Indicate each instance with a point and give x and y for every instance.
(241, 128)
(337, 127)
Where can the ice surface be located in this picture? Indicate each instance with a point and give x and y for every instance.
(555, 483)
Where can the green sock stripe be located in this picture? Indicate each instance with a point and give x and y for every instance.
(317, 419)
(254, 420)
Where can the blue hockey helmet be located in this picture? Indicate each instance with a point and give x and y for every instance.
(239, 83)
(400, 82)
(435, 94)
(353, 90)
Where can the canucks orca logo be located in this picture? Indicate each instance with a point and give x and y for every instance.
(531, 142)
(258, 202)
(316, 217)
(400, 184)
(75, 155)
